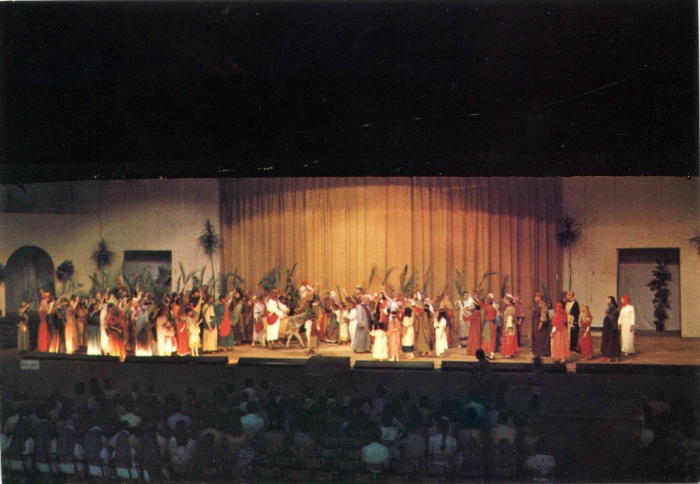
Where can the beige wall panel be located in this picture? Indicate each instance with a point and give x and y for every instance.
(632, 212)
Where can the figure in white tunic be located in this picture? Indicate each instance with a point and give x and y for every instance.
(625, 324)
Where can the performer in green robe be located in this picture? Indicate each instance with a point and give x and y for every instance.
(222, 315)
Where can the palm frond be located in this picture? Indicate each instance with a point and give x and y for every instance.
(504, 287)
(459, 282)
(480, 290)
(427, 280)
(372, 275)
(409, 286)
(177, 287)
(545, 293)
(386, 275)
(403, 275)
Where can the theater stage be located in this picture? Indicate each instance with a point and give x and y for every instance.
(652, 348)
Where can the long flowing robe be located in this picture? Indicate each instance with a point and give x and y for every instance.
(193, 332)
(236, 316)
(246, 321)
(610, 344)
(343, 319)
(23, 331)
(81, 321)
(165, 335)
(361, 340)
(488, 329)
(509, 344)
(560, 338)
(43, 337)
(352, 325)
(94, 334)
(441, 336)
(210, 337)
(421, 319)
(56, 328)
(182, 338)
(586, 340)
(474, 340)
(227, 338)
(626, 323)
(380, 349)
(116, 326)
(104, 339)
(144, 334)
(275, 314)
(394, 335)
(330, 323)
(409, 336)
(72, 335)
(541, 345)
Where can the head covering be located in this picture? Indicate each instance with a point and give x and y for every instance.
(625, 299)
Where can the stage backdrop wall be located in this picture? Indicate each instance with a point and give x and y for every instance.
(337, 229)
(628, 213)
(67, 219)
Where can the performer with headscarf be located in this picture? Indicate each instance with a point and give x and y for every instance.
(488, 333)
(71, 334)
(559, 334)
(464, 308)
(509, 345)
(361, 339)
(408, 332)
(178, 316)
(80, 314)
(222, 315)
(441, 329)
(116, 325)
(610, 345)
(625, 324)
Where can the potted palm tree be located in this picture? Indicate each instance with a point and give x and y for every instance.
(210, 242)
(64, 274)
(102, 257)
(659, 286)
(568, 237)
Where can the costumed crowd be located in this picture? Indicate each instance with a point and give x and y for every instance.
(392, 324)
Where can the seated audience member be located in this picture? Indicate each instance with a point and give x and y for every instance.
(375, 454)
(179, 416)
(412, 448)
(540, 466)
(503, 430)
(252, 424)
(442, 443)
(182, 449)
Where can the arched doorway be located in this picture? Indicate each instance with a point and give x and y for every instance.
(28, 270)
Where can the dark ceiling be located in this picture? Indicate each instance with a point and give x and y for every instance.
(130, 90)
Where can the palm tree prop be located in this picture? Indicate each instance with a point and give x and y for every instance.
(210, 242)
(269, 282)
(409, 286)
(659, 286)
(545, 293)
(64, 274)
(695, 240)
(568, 237)
(102, 257)
(459, 282)
(388, 288)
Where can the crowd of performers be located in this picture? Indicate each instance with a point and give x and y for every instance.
(389, 324)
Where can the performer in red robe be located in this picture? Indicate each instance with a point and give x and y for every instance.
(509, 344)
(117, 328)
(586, 340)
(182, 336)
(474, 339)
(488, 334)
(43, 339)
(559, 334)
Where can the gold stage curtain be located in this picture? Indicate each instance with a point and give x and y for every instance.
(337, 229)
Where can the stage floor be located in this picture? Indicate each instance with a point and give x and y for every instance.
(652, 348)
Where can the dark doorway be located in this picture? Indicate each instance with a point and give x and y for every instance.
(29, 270)
(634, 272)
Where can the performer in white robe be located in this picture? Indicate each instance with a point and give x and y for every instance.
(275, 312)
(625, 324)
(104, 339)
(464, 308)
(210, 339)
(440, 334)
(352, 324)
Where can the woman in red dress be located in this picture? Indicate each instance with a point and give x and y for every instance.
(43, 339)
(586, 340)
(559, 334)
(180, 322)
(474, 339)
